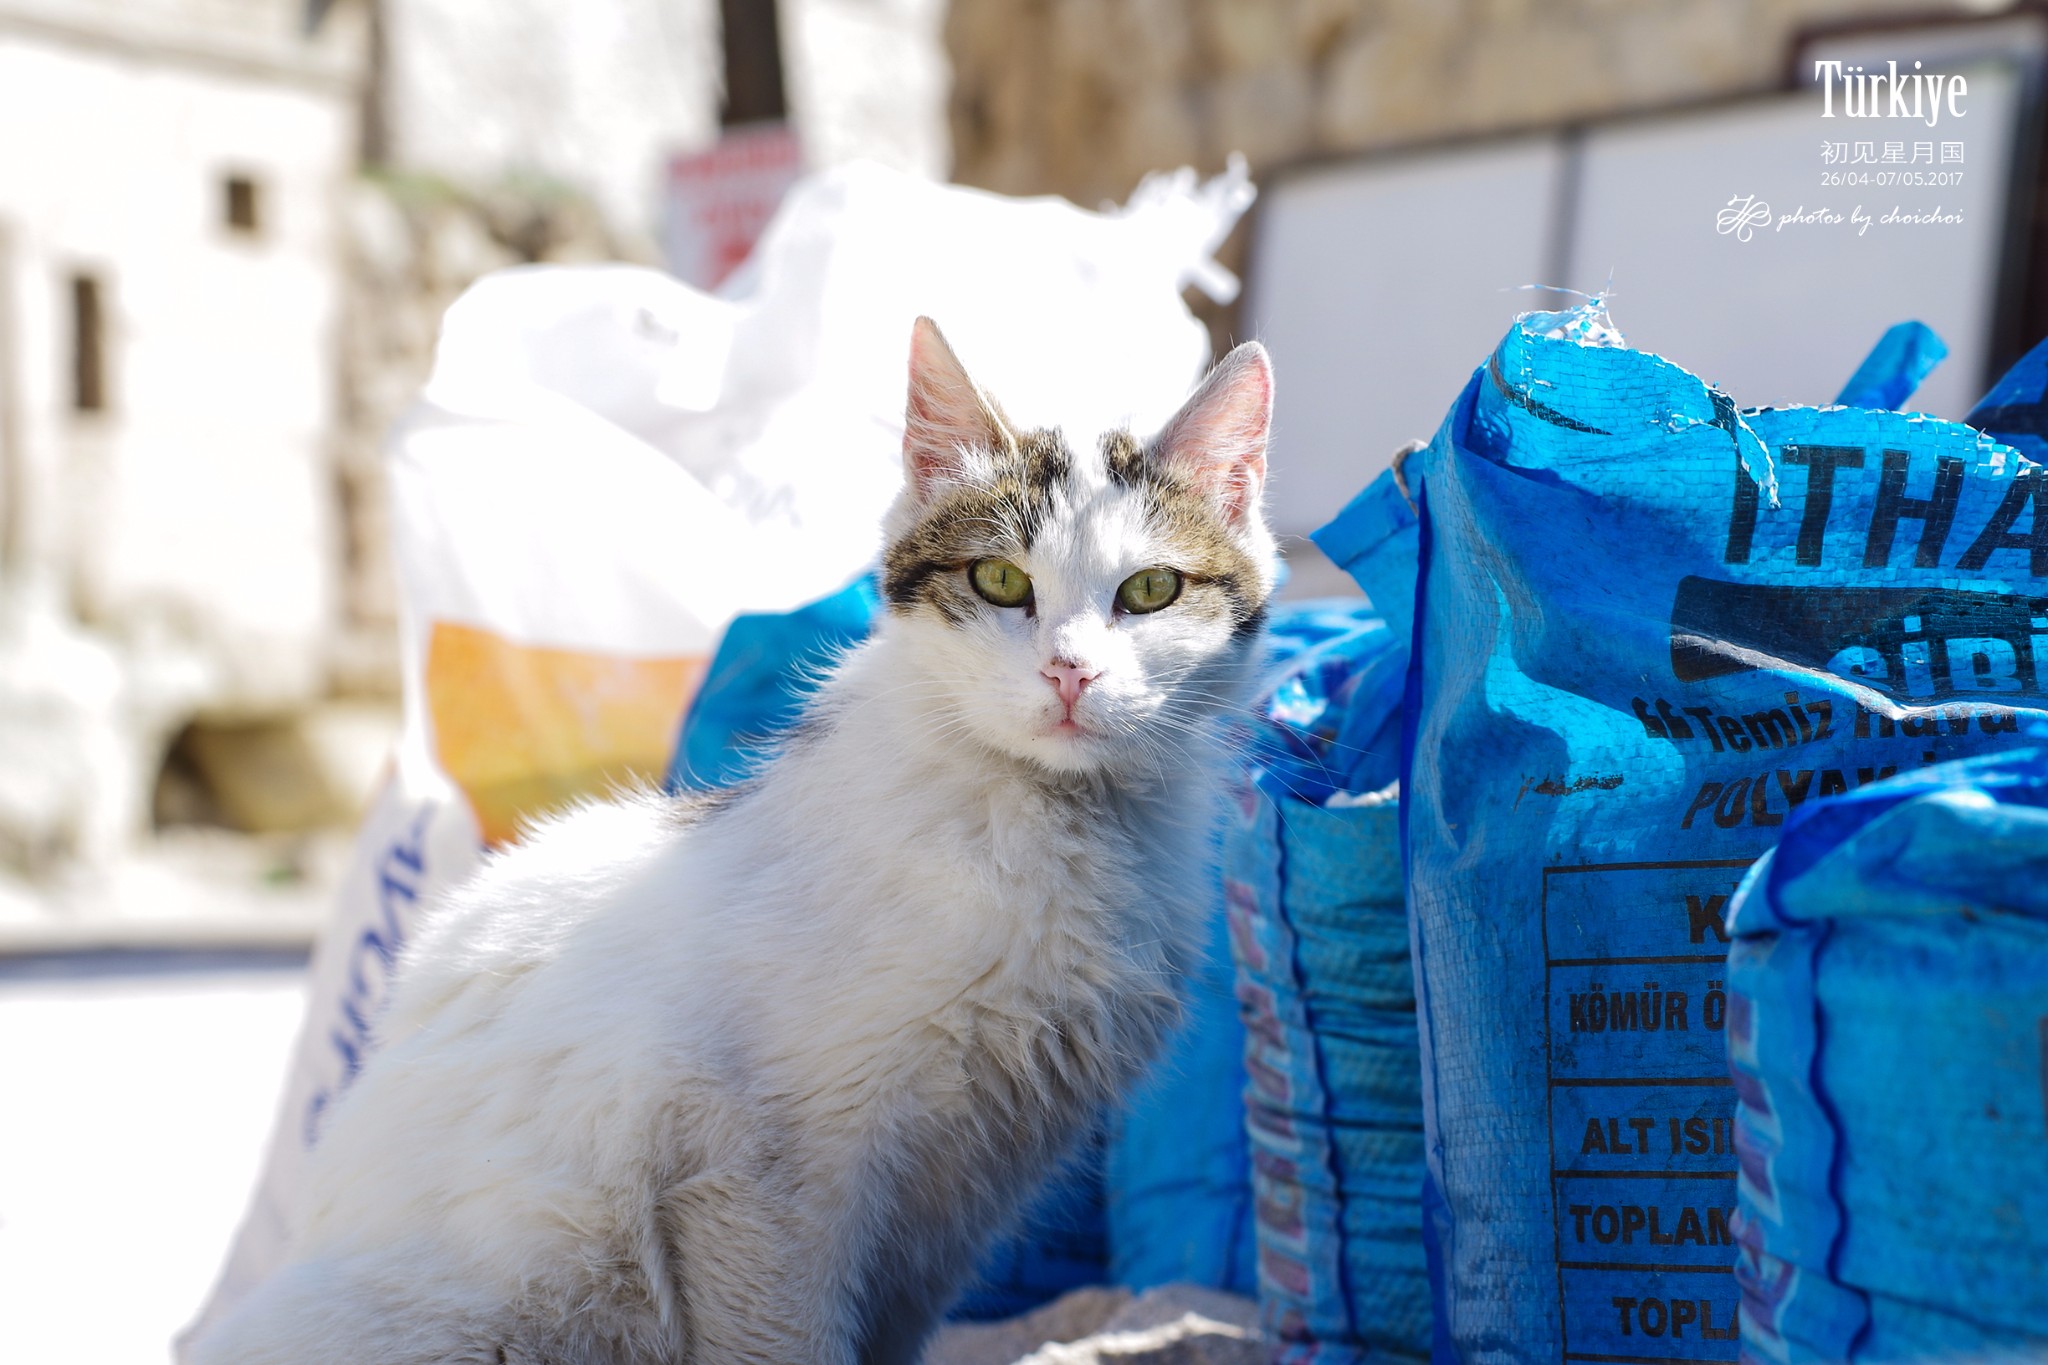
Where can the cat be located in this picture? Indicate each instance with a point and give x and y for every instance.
(755, 1077)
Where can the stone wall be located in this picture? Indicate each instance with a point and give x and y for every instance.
(413, 243)
(1082, 97)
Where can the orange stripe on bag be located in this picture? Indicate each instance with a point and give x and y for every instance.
(524, 731)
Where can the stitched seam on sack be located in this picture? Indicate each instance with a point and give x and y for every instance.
(1325, 1119)
(1834, 1119)
(1444, 1234)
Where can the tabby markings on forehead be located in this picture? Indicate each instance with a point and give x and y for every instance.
(1125, 459)
(1188, 519)
(1005, 516)
(1046, 460)
(1001, 518)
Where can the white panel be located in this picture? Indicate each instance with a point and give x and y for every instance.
(1378, 286)
(1786, 316)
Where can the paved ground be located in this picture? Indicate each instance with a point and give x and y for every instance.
(135, 1098)
(136, 1090)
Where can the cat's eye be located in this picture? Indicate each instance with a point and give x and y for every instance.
(1148, 590)
(1000, 582)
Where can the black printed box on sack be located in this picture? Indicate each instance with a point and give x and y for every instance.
(1647, 626)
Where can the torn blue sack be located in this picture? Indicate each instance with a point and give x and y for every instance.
(1888, 1031)
(1647, 626)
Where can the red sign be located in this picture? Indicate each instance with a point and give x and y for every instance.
(720, 199)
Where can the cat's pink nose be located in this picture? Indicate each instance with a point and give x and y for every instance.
(1069, 679)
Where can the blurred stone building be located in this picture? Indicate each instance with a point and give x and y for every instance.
(227, 231)
(169, 307)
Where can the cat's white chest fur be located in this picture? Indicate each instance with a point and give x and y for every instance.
(893, 981)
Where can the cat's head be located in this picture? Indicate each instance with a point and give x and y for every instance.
(1084, 602)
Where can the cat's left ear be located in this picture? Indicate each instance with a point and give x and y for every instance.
(1217, 440)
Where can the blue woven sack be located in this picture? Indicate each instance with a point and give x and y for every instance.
(1313, 888)
(1179, 1174)
(1647, 626)
(1888, 1030)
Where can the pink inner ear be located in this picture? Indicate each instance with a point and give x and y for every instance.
(945, 413)
(921, 418)
(1218, 438)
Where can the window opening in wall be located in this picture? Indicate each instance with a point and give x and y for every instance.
(88, 344)
(241, 205)
(753, 63)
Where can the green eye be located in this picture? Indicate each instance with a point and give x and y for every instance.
(1000, 581)
(1149, 590)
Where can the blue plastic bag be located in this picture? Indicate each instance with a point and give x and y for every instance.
(766, 665)
(2016, 409)
(1061, 1243)
(1313, 887)
(1888, 1032)
(1647, 626)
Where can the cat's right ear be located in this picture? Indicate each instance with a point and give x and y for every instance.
(1217, 441)
(948, 417)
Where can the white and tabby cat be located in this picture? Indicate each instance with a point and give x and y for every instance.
(756, 1078)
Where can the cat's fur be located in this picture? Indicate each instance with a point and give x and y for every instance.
(756, 1079)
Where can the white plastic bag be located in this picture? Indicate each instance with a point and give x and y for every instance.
(606, 465)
